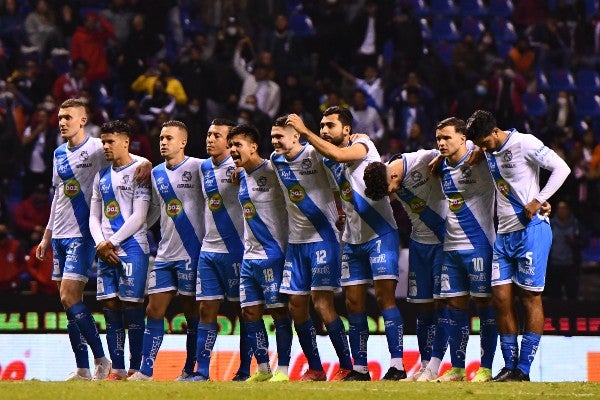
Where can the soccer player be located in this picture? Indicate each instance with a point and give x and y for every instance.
(118, 225)
(312, 260)
(524, 235)
(75, 165)
(218, 274)
(179, 202)
(466, 267)
(265, 238)
(407, 178)
(371, 242)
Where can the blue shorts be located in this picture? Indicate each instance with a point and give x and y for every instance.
(177, 275)
(218, 276)
(466, 272)
(311, 266)
(126, 281)
(375, 259)
(424, 268)
(522, 257)
(260, 281)
(72, 258)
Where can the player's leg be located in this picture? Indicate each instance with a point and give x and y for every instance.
(283, 337)
(256, 333)
(107, 293)
(186, 286)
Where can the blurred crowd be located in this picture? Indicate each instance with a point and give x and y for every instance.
(398, 65)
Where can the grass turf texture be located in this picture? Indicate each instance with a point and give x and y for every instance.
(296, 390)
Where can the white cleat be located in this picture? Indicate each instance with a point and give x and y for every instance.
(79, 376)
(427, 376)
(138, 376)
(414, 377)
(102, 368)
(182, 376)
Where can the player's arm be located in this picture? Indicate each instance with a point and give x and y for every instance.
(104, 249)
(40, 252)
(141, 203)
(143, 171)
(154, 207)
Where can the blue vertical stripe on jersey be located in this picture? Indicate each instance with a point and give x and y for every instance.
(81, 208)
(182, 223)
(306, 205)
(257, 225)
(430, 218)
(375, 220)
(129, 245)
(223, 221)
(516, 204)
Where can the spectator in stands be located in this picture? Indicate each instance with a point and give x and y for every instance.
(12, 28)
(119, 16)
(371, 85)
(9, 150)
(12, 261)
(41, 272)
(465, 53)
(40, 25)
(67, 21)
(407, 40)
(417, 140)
(367, 35)
(159, 101)
(561, 112)
(333, 98)
(31, 215)
(366, 117)
(409, 112)
(33, 82)
(71, 84)
(39, 141)
(198, 77)
(506, 90)
(521, 57)
(564, 263)
(139, 142)
(553, 43)
(146, 83)
(471, 99)
(288, 50)
(90, 42)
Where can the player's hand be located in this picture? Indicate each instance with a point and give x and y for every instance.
(106, 251)
(355, 136)
(296, 122)
(435, 164)
(40, 252)
(546, 209)
(341, 222)
(142, 172)
(532, 208)
(476, 156)
(235, 177)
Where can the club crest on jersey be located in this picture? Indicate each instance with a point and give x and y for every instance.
(112, 209)
(215, 202)
(503, 187)
(306, 163)
(262, 181)
(296, 193)
(507, 156)
(71, 188)
(417, 205)
(83, 156)
(455, 202)
(346, 191)
(467, 174)
(125, 180)
(249, 210)
(186, 176)
(416, 176)
(173, 208)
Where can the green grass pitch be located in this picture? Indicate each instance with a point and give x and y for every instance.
(296, 390)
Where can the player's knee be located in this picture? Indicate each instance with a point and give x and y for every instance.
(353, 305)
(251, 314)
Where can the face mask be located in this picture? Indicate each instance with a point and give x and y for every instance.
(480, 90)
(242, 121)
(48, 105)
(487, 40)
(193, 109)
(561, 101)
(231, 31)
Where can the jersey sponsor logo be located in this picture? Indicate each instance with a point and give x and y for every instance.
(215, 202)
(249, 210)
(503, 187)
(346, 191)
(379, 259)
(112, 209)
(173, 208)
(455, 202)
(417, 205)
(296, 193)
(71, 188)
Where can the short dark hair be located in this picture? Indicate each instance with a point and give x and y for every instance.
(248, 131)
(344, 115)
(457, 123)
(116, 126)
(77, 103)
(480, 124)
(375, 177)
(280, 121)
(222, 122)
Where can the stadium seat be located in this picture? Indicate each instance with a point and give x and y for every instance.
(425, 30)
(445, 8)
(419, 8)
(503, 48)
(445, 51)
(562, 79)
(535, 104)
(587, 81)
(541, 81)
(503, 31)
(500, 8)
(444, 30)
(472, 26)
(587, 106)
(473, 8)
(591, 8)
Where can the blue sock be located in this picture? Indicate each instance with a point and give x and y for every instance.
(153, 337)
(207, 336)
(135, 324)
(529, 346)
(394, 331)
(259, 342)
(246, 351)
(283, 336)
(307, 336)
(80, 314)
(459, 335)
(425, 333)
(510, 350)
(337, 335)
(440, 339)
(79, 345)
(191, 341)
(488, 335)
(358, 334)
(115, 337)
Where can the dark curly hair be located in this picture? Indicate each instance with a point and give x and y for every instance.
(479, 125)
(375, 178)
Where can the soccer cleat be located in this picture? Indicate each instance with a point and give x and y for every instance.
(138, 376)
(260, 377)
(240, 377)
(394, 374)
(195, 377)
(77, 376)
(182, 376)
(314, 375)
(415, 376)
(519, 376)
(505, 375)
(427, 375)
(131, 372)
(279, 376)
(340, 374)
(102, 369)
(357, 376)
(452, 375)
(482, 375)
(115, 376)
